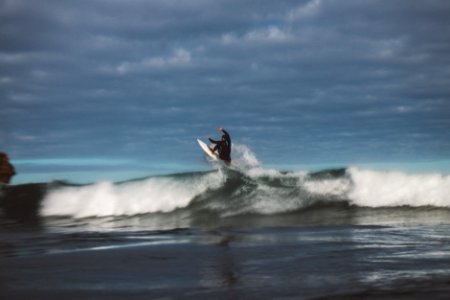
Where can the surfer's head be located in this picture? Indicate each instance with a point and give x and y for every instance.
(224, 137)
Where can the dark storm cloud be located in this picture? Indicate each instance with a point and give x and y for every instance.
(321, 78)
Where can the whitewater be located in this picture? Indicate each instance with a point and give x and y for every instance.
(248, 188)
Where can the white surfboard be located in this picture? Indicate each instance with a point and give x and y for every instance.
(208, 151)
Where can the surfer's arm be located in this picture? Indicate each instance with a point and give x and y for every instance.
(213, 141)
(227, 135)
(225, 132)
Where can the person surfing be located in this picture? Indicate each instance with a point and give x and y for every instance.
(223, 147)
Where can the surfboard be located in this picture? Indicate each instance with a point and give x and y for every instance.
(206, 149)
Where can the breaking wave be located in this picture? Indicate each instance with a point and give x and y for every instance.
(250, 189)
(247, 189)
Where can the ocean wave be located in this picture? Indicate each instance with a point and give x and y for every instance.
(150, 195)
(245, 188)
(257, 191)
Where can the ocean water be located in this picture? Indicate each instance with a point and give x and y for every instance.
(230, 233)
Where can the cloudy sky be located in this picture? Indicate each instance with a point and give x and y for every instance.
(111, 86)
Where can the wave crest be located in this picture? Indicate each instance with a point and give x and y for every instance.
(391, 188)
(154, 194)
(249, 190)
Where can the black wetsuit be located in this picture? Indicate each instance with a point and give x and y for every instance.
(223, 147)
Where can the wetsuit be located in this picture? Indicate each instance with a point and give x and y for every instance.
(223, 146)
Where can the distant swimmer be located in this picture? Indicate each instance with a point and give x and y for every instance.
(7, 170)
(223, 147)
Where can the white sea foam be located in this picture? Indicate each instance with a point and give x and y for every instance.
(391, 188)
(371, 188)
(156, 194)
(329, 187)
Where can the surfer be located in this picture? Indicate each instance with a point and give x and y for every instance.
(223, 146)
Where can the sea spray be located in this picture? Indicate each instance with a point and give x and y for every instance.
(244, 158)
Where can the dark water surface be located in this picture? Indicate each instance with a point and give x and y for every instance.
(228, 262)
(236, 237)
